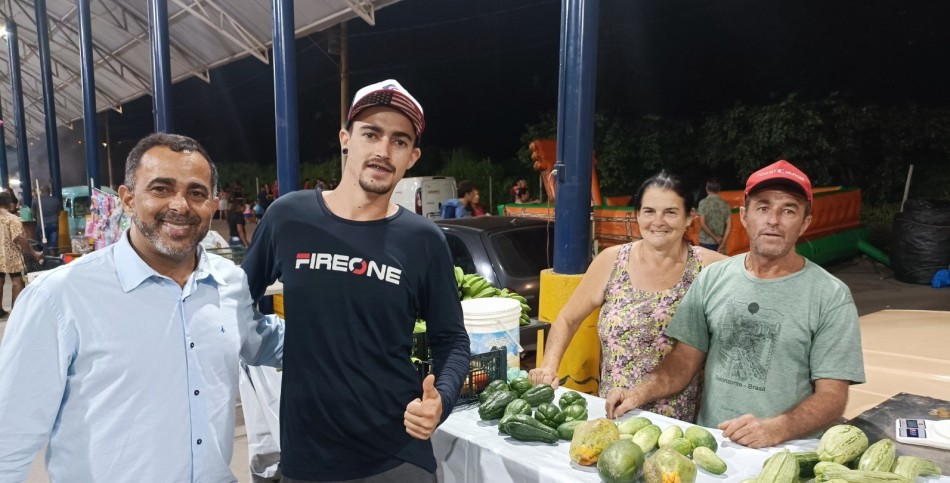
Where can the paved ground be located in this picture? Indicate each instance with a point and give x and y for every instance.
(873, 286)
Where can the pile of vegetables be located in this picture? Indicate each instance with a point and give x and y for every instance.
(473, 286)
(677, 455)
(622, 451)
(843, 455)
(528, 413)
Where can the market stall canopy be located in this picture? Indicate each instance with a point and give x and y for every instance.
(203, 34)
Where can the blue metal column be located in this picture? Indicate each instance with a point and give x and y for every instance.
(161, 65)
(88, 94)
(19, 118)
(575, 133)
(49, 101)
(4, 172)
(285, 97)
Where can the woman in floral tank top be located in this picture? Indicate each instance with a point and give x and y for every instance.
(638, 286)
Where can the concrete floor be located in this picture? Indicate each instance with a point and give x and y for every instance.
(872, 285)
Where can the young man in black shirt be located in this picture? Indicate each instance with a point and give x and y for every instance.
(357, 271)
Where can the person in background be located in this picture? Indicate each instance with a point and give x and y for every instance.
(477, 208)
(14, 203)
(125, 362)
(306, 184)
(523, 196)
(51, 208)
(638, 286)
(258, 211)
(248, 213)
(715, 218)
(358, 270)
(224, 203)
(520, 184)
(460, 207)
(13, 247)
(237, 235)
(775, 335)
(263, 199)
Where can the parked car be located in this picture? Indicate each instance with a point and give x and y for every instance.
(424, 195)
(510, 252)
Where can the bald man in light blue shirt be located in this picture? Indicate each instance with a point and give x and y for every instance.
(125, 361)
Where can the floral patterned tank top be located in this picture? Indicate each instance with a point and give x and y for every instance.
(632, 328)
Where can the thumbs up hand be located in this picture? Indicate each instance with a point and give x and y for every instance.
(423, 415)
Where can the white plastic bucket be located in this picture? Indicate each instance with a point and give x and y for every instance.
(493, 322)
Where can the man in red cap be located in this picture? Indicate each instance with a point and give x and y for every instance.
(357, 271)
(779, 335)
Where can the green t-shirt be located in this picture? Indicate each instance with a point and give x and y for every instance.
(716, 211)
(767, 340)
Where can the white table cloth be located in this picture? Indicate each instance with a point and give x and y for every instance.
(469, 450)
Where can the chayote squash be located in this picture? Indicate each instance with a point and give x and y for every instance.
(494, 406)
(520, 385)
(566, 430)
(591, 438)
(518, 406)
(540, 394)
(575, 412)
(571, 398)
(550, 415)
(494, 386)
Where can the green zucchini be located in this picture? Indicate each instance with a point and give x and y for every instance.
(806, 463)
(779, 468)
(842, 443)
(880, 456)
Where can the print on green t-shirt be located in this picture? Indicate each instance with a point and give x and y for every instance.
(749, 336)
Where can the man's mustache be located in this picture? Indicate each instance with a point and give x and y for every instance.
(178, 218)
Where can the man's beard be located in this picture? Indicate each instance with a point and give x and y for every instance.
(377, 188)
(151, 231)
(373, 186)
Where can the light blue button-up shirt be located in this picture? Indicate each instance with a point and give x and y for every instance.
(126, 375)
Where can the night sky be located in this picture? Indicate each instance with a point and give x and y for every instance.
(484, 69)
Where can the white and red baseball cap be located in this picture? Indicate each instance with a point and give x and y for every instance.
(779, 172)
(388, 93)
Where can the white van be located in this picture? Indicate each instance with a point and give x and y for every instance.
(424, 195)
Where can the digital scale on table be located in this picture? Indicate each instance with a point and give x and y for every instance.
(923, 432)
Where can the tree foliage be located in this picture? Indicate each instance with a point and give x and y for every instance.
(832, 139)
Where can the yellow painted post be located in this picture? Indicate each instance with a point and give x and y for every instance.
(65, 237)
(581, 361)
(279, 305)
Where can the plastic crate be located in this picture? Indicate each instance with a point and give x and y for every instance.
(235, 254)
(483, 368)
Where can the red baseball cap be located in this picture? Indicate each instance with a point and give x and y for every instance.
(779, 172)
(389, 93)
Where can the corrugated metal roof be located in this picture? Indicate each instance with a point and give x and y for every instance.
(203, 34)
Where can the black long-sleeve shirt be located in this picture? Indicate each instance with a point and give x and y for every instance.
(352, 292)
